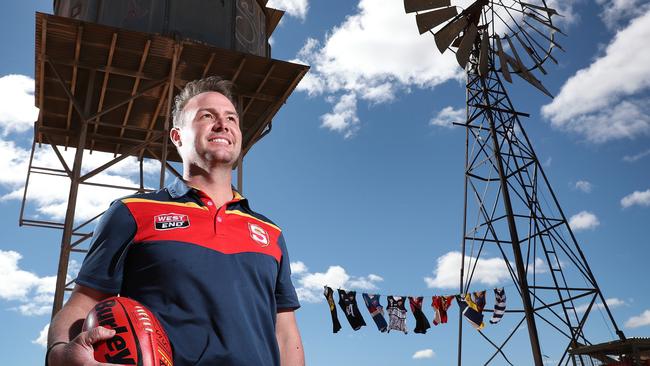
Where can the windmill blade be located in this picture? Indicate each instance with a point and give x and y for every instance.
(532, 80)
(539, 46)
(514, 52)
(543, 22)
(466, 44)
(533, 55)
(526, 75)
(555, 44)
(503, 61)
(420, 5)
(484, 54)
(522, 71)
(449, 32)
(430, 20)
(475, 8)
(549, 11)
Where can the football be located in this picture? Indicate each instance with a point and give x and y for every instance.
(139, 339)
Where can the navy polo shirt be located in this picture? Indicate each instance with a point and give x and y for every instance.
(214, 276)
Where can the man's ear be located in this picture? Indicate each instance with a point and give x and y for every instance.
(175, 136)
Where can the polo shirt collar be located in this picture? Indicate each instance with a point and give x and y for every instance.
(179, 188)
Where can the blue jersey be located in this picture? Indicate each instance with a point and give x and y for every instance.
(214, 276)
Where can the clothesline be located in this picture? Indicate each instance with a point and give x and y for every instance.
(508, 286)
(471, 305)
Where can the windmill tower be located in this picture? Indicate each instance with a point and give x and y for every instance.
(106, 74)
(510, 207)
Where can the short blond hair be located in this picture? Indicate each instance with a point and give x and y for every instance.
(196, 87)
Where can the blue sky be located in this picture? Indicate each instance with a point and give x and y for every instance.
(365, 173)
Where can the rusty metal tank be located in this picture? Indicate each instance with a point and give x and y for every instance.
(239, 25)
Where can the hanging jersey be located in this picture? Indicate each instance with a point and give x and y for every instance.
(421, 321)
(397, 314)
(348, 303)
(479, 301)
(440, 305)
(329, 295)
(467, 308)
(376, 310)
(499, 305)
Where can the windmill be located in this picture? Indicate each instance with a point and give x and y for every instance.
(510, 207)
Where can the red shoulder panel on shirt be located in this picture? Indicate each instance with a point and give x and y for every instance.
(226, 231)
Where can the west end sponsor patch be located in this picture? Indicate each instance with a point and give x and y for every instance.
(259, 235)
(170, 221)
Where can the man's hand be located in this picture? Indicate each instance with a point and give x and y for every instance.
(79, 352)
(75, 348)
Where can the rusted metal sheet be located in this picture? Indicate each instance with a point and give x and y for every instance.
(243, 25)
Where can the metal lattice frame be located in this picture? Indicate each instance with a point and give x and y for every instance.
(517, 214)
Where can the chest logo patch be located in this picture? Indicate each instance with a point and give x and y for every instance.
(259, 235)
(171, 221)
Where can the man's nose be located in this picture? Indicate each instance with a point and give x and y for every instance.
(219, 123)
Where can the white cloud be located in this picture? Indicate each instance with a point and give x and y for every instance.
(447, 116)
(34, 293)
(604, 101)
(344, 116)
(584, 186)
(310, 285)
(636, 198)
(13, 164)
(372, 55)
(295, 8)
(489, 271)
(639, 320)
(425, 353)
(41, 340)
(611, 303)
(17, 110)
(49, 193)
(298, 268)
(617, 12)
(583, 220)
(639, 156)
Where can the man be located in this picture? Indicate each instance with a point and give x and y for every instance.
(215, 273)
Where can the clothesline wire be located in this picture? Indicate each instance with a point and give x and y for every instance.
(394, 294)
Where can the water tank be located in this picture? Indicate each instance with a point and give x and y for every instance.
(239, 25)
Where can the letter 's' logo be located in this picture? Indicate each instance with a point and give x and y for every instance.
(259, 234)
(170, 221)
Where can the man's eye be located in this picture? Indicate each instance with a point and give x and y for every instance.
(207, 115)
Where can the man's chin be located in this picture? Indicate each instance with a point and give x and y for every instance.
(221, 159)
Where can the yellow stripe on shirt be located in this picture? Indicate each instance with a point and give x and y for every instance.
(181, 204)
(239, 213)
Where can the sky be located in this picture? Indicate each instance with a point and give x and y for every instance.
(363, 170)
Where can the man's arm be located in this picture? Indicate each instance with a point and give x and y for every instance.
(66, 327)
(288, 336)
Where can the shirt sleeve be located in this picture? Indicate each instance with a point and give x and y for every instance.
(103, 266)
(285, 293)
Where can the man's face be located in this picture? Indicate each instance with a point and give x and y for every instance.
(211, 133)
